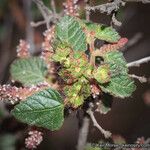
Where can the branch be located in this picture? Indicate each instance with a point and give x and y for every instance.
(107, 134)
(83, 133)
(115, 21)
(47, 14)
(143, 1)
(87, 13)
(113, 6)
(53, 7)
(108, 7)
(39, 23)
(137, 63)
(141, 79)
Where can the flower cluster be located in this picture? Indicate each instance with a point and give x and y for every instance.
(47, 44)
(71, 7)
(7, 92)
(15, 94)
(111, 47)
(23, 49)
(34, 139)
(95, 90)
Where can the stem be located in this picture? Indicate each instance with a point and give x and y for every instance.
(83, 133)
(107, 134)
(137, 63)
(53, 7)
(141, 79)
(87, 13)
(39, 23)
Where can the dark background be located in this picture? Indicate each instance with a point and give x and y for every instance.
(128, 117)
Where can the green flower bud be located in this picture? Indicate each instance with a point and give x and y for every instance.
(102, 74)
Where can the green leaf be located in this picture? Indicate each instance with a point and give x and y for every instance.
(43, 109)
(119, 86)
(101, 31)
(7, 142)
(108, 34)
(29, 71)
(116, 62)
(69, 32)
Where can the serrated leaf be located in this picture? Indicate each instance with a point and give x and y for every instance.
(29, 71)
(43, 109)
(69, 32)
(108, 34)
(116, 62)
(119, 86)
(101, 31)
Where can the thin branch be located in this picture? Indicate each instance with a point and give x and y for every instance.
(29, 29)
(87, 13)
(141, 79)
(39, 23)
(137, 63)
(115, 21)
(47, 14)
(113, 6)
(83, 133)
(108, 7)
(107, 134)
(143, 1)
(53, 5)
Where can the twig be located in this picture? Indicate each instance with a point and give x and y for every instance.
(141, 79)
(47, 14)
(143, 1)
(108, 7)
(137, 63)
(29, 29)
(39, 23)
(115, 21)
(87, 13)
(107, 134)
(83, 133)
(53, 7)
(113, 6)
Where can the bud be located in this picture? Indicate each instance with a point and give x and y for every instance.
(102, 74)
(23, 49)
(34, 139)
(71, 7)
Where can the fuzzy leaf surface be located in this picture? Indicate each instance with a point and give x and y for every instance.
(43, 109)
(69, 32)
(29, 71)
(101, 31)
(120, 84)
(117, 63)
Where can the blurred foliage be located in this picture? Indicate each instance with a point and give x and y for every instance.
(7, 142)
(3, 7)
